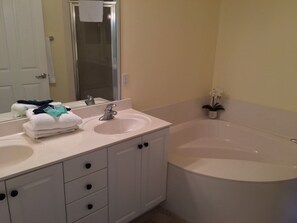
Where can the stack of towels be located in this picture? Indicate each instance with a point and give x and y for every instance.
(49, 120)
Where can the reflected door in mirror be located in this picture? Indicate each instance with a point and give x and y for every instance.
(22, 52)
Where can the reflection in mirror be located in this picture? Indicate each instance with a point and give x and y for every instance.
(96, 53)
(47, 52)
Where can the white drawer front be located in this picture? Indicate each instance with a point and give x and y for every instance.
(100, 216)
(79, 209)
(84, 165)
(86, 185)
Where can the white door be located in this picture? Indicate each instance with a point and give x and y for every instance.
(154, 170)
(4, 213)
(22, 52)
(124, 170)
(37, 197)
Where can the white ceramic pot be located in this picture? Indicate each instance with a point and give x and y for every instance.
(212, 114)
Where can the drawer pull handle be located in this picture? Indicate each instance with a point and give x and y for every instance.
(2, 197)
(14, 193)
(146, 144)
(90, 206)
(140, 146)
(88, 165)
(89, 186)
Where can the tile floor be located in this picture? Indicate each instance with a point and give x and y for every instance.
(158, 215)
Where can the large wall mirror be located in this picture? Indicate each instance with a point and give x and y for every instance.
(47, 52)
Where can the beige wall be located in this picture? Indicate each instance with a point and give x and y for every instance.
(256, 58)
(56, 22)
(168, 49)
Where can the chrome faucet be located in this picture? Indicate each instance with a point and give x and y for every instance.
(108, 113)
(90, 100)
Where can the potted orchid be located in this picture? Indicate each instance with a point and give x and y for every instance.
(214, 105)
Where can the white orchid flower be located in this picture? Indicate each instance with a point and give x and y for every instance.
(216, 93)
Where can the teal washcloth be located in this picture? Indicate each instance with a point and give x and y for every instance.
(57, 111)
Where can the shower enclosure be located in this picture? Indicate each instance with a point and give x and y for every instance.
(95, 47)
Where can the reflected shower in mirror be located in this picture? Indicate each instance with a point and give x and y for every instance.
(79, 59)
(96, 62)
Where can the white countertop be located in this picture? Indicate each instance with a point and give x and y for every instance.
(56, 149)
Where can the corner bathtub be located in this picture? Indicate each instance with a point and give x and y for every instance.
(221, 172)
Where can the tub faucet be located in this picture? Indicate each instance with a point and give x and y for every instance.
(90, 100)
(108, 113)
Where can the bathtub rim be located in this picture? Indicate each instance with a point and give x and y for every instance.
(178, 127)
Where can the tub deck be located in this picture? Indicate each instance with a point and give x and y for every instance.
(221, 155)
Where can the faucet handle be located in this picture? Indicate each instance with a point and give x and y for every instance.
(109, 107)
(109, 113)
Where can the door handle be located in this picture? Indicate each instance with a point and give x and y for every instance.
(41, 76)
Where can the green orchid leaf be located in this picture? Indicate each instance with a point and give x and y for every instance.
(207, 107)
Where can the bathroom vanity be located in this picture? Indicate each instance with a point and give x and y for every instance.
(93, 175)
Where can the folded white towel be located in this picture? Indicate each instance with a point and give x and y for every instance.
(90, 11)
(28, 129)
(19, 110)
(45, 121)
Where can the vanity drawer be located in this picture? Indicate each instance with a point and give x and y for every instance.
(100, 216)
(86, 205)
(86, 185)
(84, 165)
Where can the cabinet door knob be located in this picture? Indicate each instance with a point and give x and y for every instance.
(14, 193)
(140, 146)
(89, 186)
(146, 144)
(88, 165)
(2, 197)
(90, 206)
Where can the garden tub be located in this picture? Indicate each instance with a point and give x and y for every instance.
(220, 172)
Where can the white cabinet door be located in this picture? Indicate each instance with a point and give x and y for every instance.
(38, 196)
(22, 52)
(4, 213)
(154, 170)
(124, 169)
(137, 176)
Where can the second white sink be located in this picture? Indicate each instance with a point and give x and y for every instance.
(121, 124)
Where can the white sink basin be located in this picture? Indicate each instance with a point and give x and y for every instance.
(14, 154)
(121, 124)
